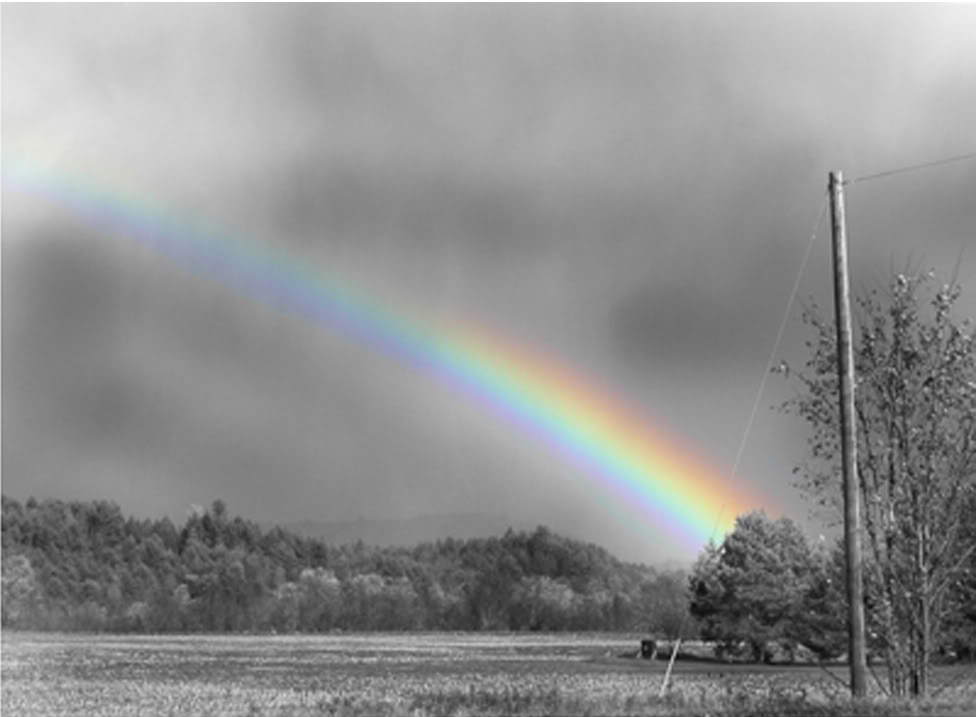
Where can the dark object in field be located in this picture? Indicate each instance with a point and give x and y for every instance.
(648, 650)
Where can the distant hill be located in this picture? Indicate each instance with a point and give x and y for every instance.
(406, 532)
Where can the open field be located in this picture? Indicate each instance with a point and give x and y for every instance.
(400, 674)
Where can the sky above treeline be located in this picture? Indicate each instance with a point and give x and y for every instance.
(627, 189)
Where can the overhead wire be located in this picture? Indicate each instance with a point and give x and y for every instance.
(912, 168)
(792, 299)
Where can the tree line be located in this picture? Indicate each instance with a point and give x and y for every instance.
(86, 566)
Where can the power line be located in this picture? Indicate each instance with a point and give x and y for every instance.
(752, 413)
(912, 168)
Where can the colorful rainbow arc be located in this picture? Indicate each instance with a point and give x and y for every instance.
(663, 480)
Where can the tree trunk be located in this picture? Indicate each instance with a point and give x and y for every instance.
(925, 647)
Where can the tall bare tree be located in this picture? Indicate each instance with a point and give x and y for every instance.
(916, 432)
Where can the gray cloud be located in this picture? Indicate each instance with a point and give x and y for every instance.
(627, 187)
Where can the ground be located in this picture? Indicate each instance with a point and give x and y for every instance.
(401, 674)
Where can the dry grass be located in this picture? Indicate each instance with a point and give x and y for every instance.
(396, 676)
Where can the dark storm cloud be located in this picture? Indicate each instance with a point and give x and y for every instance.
(628, 187)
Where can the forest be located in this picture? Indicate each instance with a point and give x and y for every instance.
(86, 566)
(765, 593)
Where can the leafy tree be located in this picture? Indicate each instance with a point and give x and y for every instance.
(915, 404)
(751, 588)
(19, 591)
(665, 601)
(320, 601)
(541, 603)
(823, 627)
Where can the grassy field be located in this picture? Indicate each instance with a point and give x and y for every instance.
(407, 674)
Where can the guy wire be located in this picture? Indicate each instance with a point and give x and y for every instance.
(752, 413)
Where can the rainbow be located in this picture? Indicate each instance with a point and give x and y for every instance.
(656, 475)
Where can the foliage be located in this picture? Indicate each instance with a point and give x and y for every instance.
(915, 404)
(959, 642)
(763, 586)
(84, 566)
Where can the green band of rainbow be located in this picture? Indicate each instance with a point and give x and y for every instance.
(654, 474)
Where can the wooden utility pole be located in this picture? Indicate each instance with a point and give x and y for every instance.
(848, 441)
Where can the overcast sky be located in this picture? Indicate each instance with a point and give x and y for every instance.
(629, 188)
